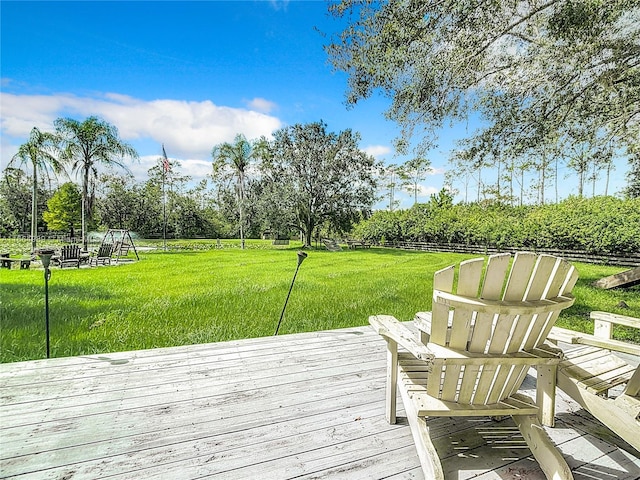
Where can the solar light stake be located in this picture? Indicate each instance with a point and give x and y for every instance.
(301, 257)
(45, 257)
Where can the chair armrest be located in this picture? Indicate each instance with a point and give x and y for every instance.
(559, 334)
(572, 337)
(617, 319)
(388, 327)
(422, 321)
(503, 307)
(459, 357)
(548, 350)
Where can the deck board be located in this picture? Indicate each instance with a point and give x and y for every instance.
(295, 406)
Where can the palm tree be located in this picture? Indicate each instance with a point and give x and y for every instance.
(38, 151)
(86, 145)
(238, 156)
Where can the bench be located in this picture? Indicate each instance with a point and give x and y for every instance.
(6, 262)
(353, 244)
(602, 374)
(121, 249)
(24, 263)
(331, 245)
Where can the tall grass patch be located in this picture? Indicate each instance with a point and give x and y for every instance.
(186, 297)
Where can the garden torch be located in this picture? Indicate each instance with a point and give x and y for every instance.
(45, 257)
(301, 257)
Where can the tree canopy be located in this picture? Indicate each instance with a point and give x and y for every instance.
(312, 177)
(235, 159)
(539, 72)
(63, 209)
(38, 153)
(85, 145)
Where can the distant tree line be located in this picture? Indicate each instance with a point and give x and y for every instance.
(306, 179)
(596, 225)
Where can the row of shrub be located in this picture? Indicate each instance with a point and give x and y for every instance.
(606, 225)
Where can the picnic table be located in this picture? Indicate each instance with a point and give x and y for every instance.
(6, 261)
(353, 244)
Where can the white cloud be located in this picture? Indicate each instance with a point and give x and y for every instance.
(279, 4)
(261, 105)
(189, 129)
(377, 151)
(423, 190)
(427, 191)
(197, 169)
(8, 151)
(20, 113)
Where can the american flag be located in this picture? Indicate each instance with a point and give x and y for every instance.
(165, 161)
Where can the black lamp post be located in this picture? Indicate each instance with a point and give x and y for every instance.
(45, 257)
(301, 257)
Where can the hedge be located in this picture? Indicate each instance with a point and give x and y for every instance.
(598, 225)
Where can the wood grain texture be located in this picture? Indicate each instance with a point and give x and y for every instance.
(294, 406)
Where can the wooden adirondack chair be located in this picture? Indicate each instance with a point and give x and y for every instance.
(70, 256)
(476, 347)
(599, 378)
(102, 255)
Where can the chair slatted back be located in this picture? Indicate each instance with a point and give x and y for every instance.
(122, 249)
(70, 252)
(105, 250)
(517, 304)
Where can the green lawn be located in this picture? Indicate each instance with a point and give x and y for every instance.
(183, 296)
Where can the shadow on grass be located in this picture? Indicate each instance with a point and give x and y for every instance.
(65, 302)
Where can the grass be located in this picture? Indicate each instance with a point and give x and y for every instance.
(195, 294)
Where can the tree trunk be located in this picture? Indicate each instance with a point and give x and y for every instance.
(34, 210)
(466, 189)
(511, 196)
(308, 226)
(241, 225)
(499, 190)
(542, 183)
(556, 180)
(240, 207)
(85, 189)
(580, 182)
(543, 176)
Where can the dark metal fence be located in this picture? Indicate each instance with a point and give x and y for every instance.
(66, 238)
(623, 259)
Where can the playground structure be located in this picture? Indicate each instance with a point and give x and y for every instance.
(121, 241)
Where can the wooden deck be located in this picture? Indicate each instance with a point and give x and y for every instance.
(295, 406)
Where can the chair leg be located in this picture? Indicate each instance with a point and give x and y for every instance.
(431, 466)
(545, 452)
(546, 393)
(633, 385)
(392, 381)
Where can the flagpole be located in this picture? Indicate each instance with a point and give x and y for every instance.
(165, 168)
(164, 212)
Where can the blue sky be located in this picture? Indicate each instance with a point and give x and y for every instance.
(189, 75)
